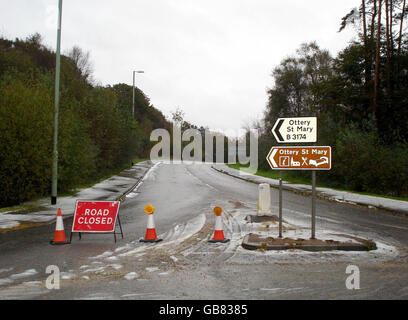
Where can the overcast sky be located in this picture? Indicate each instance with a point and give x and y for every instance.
(211, 58)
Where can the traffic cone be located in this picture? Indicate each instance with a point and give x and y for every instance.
(59, 237)
(151, 236)
(219, 232)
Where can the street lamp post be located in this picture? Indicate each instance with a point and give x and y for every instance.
(133, 105)
(56, 110)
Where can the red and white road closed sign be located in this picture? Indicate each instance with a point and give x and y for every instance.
(95, 216)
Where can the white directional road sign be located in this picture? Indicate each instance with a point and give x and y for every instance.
(295, 130)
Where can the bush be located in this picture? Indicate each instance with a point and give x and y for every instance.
(365, 164)
(26, 141)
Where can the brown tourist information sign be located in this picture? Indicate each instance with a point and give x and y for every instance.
(300, 158)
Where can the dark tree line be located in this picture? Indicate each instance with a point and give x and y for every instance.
(360, 98)
(383, 47)
(97, 134)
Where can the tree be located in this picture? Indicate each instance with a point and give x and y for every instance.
(383, 56)
(82, 61)
(299, 84)
(377, 60)
(404, 12)
(178, 116)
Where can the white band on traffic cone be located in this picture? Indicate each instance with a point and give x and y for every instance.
(60, 225)
(150, 222)
(218, 223)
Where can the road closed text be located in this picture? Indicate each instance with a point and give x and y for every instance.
(95, 216)
(94, 220)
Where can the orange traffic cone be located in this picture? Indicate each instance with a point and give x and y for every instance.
(219, 232)
(151, 235)
(59, 237)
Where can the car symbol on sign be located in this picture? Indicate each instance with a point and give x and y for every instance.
(320, 162)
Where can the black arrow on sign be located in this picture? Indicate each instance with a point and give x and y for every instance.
(278, 134)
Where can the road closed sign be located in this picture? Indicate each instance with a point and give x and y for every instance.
(300, 158)
(95, 216)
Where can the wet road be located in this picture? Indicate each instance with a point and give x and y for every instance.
(185, 266)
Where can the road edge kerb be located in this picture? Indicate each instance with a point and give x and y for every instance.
(306, 192)
(248, 245)
(136, 184)
(119, 198)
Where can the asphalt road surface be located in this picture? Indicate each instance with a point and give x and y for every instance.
(185, 266)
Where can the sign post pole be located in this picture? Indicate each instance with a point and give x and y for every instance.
(313, 204)
(54, 186)
(280, 204)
